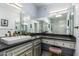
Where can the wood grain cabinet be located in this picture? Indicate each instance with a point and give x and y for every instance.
(33, 48)
(60, 43)
(48, 41)
(38, 41)
(28, 52)
(26, 49)
(37, 50)
(37, 47)
(70, 45)
(15, 51)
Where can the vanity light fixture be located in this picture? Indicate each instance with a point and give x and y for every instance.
(15, 5)
(72, 13)
(27, 18)
(18, 5)
(67, 27)
(58, 15)
(58, 10)
(25, 23)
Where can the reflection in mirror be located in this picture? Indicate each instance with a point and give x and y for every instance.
(25, 28)
(35, 27)
(61, 22)
(17, 25)
(30, 25)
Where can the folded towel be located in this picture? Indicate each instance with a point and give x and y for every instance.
(55, 50)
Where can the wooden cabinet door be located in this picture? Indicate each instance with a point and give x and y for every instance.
(28, 52)
(37, 50)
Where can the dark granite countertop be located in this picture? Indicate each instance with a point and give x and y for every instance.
(5, 46)
(56, 36)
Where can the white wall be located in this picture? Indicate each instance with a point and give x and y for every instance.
(11, 14)
(44, 11)
(76, 31)
(29, 9)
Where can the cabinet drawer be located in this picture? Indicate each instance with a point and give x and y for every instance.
(59, 43)
(37, 41)
(19, 49)
(65, 44)
(48, 41)
(52, 42)
(72, 46)
(28, 52)
(69, 45)
(23, 54)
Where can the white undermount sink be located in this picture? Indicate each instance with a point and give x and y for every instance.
(16, 39)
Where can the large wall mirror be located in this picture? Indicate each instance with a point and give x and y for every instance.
(61, 22)
(27, 24)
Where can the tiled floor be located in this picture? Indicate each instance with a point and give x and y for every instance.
(45, 53)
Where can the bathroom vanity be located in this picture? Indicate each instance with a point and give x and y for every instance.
(38, 43)
(64, 42)
(27, 47)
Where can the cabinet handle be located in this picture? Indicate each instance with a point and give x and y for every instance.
(76, 27)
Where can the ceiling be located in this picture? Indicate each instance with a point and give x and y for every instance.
(48, 5)
(51, 4)
(41, 4)
(45, 8)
